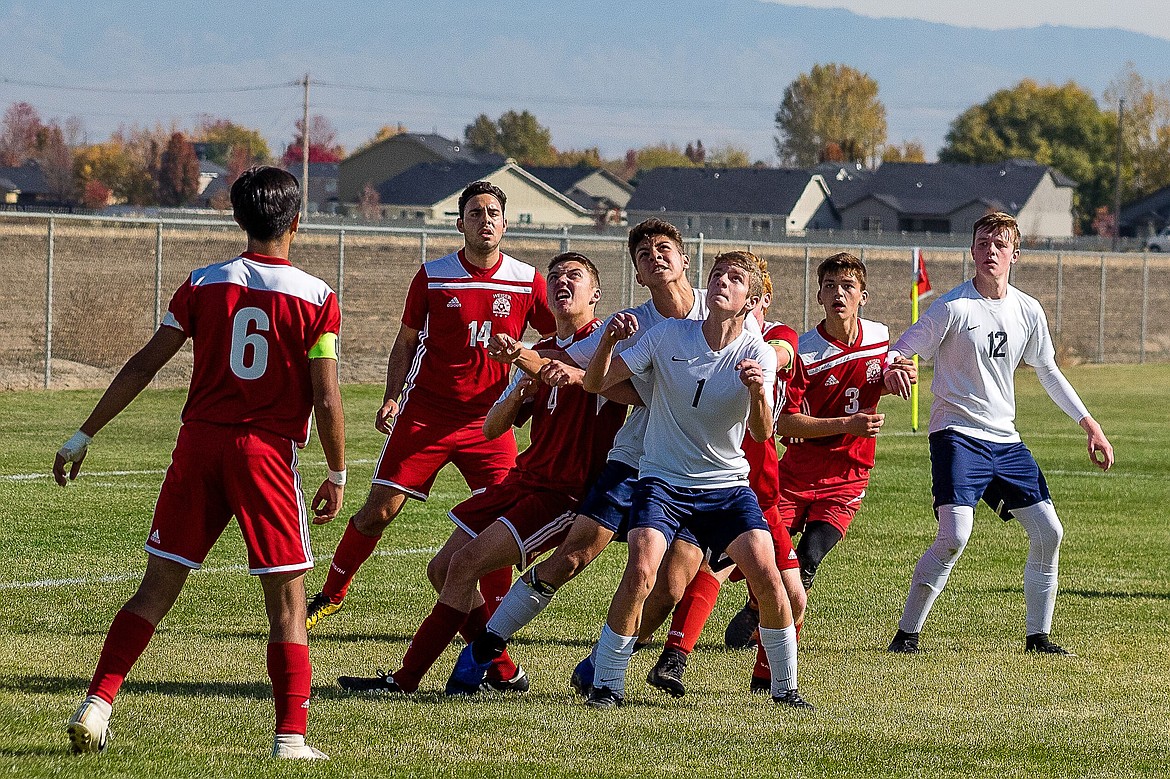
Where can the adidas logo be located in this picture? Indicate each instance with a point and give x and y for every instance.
(305, 705)
(831, 381)
(454, 303)
(154, 537)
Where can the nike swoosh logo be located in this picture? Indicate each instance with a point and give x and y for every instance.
(681, 359)
(973, 327)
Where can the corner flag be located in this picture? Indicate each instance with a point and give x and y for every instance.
(919, 289)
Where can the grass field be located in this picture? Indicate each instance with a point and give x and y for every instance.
(972, 704)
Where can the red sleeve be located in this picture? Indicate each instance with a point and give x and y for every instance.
(540, 316)
(328, 321)
(794, 395)
(414, 313)
(179, 308)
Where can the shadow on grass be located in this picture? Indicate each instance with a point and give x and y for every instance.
(76, 685)
(1100, 594)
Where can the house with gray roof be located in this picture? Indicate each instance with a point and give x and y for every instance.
(385, 159)
(760, 203)
(1147, 215)
(429, 193)
(921, 197)
(599, 190)
(25, 185)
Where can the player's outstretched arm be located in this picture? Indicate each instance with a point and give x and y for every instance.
(759, 419)
(503, 414)
(401, 356)
(327, 411)
(135, 375)
(1100, 450)
(604, 369)
(864, 424)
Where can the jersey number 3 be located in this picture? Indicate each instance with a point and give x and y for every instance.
(245, 363)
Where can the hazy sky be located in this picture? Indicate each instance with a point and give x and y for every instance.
(1151, 17)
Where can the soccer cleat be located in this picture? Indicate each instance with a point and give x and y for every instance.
(320, 607)
(741, 630)
(380, 683)
(667, 673)
(791, 698)
(468, 677)
(293, 747)
(582, 679)
(761, 685)
(904, 643)
(604, 698)
(518, 683)
(1039, 643)
(89, 727)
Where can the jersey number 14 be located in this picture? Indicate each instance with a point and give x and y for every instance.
(481, 333)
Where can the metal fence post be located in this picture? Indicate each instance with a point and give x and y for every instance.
(1059, 290)
(1101, 316)
(1145, 305)
(158, 267)
(422, 247)
(699, 268)
(340, 266)
(49, 307)
(804, 325)
(564, 239)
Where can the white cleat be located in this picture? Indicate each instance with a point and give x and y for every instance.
(89, 727)
(293, 747)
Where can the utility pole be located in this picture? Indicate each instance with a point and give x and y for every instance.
(305, 153)
(1117, 174)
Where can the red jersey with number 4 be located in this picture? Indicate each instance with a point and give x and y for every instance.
(835, 380)
(763, 460)
(572, 430)
(253, 321)
(457, 308)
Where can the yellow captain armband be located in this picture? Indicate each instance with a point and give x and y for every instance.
(326, 346)
(787, 348)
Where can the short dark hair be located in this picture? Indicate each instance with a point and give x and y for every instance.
(577, 257)
(481, 188)
(650, 227)
(265, 200)
(842, 262)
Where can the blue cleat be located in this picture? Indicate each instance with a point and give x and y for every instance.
(582, 679)
(468, 675)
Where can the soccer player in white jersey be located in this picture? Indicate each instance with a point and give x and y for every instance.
(977, 334)
(265, 337)
(711, 381)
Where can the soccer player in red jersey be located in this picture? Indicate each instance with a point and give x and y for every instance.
(529, 512)
(440, 383)
(265, 338)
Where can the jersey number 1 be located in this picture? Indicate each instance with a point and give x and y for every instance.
(244, 364)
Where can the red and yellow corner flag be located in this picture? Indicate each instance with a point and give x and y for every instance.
(919, 289)
(921, 280)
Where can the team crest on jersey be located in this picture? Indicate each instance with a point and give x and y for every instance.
(501, 304)
(454, 303)
(873, 371)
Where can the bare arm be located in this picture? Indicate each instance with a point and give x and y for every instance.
(759, 419)
(864, 424)
(604, 369)
(135, 375)
(401, 356)
(503, 414)
(327, 411)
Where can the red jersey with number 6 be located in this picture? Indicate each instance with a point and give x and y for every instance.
(253, 321)
(835, 379)
(457, 308)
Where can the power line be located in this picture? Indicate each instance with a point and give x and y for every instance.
(142, 91)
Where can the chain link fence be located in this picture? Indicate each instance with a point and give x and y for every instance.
(79, 295)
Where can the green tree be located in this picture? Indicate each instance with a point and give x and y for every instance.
(1061, 126)
(831, 104)
(516, 135)
(223, 137)
(483, 135)
(178, 172)
(662, 155)
(113, 167)
(908, 151)
(729, 157)
(1146, 130)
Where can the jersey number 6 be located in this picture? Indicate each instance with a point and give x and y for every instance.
(249, 318)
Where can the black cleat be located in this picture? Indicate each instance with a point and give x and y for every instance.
(320, 607)
(792, 699)
(604, 698)
(761, 685)
(741, 629)
(381, 683)
(1039, 643)
(667, 673)
(517, 684)
(904, 643)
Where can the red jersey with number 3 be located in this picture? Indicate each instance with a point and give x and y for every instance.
(835, 379)
(253, 321)
(572, 430)
(763, 460)
(457, 308)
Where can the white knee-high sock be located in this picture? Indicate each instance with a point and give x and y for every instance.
(611, 658)
(519, 607)
(935, 565)
(1040, 572)
(780, 647)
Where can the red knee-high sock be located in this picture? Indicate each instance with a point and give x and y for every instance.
(129, 634)
(691, 613)
(292, 678)
(762, 669)
(431, 638)
(502, 667)
(751, 599)
(355, 548)
(494, 586)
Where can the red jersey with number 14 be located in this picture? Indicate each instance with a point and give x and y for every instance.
(763, 460)
(835, 380)
(572, 430)
(457, 308)
(253, 321)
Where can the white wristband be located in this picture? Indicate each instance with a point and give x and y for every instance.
(75, 446)
(337, 477)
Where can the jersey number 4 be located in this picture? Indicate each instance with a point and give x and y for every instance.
(481, 333)
(247, 326)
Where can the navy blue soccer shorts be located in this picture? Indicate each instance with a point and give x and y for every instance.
(708, 519)
(965, 470)
(611, 499)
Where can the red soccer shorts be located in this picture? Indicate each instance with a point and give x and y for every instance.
(785, 554)
(218, 471)
(538, 519)
(834, 503)
(417, 449)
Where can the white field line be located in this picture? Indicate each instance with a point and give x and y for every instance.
(151, 472)
(112, 578)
